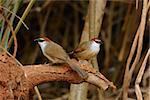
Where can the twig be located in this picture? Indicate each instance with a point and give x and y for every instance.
(92, 15)
(7, 32)
(139, 35)
(23, 18)
(16, 16)
(11, 56)
(137, 4)
(141, 31)
(125, 28)
(146, 76)
(139, 77)
(37, 92)
(13, 34)
(2, 29)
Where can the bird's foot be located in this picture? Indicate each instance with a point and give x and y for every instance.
(57, 64)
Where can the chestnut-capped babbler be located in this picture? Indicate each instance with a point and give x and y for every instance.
(56, 54)
(87, 49)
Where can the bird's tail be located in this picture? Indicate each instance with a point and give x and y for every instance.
(71, 54)
(75, 66)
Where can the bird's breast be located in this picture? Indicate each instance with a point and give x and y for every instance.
(90, 51)
(87, 54)
(95, 47)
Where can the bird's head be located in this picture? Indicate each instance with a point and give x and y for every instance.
(42, 41)
(96, 40)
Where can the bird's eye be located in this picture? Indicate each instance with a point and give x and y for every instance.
(98, 41)
(40, 40)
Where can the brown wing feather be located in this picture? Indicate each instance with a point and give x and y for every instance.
(81, 47)
(57, 51)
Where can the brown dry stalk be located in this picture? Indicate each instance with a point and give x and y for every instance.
(137, 4)
(125, 28)
(145, 77)
(139, 77)
(91, 29)
(15, 16)
(92, 13)
(13, 34)
(138, 39)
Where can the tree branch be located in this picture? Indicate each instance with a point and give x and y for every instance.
(37, 74)
(16, 81)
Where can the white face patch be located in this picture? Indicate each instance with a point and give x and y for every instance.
(43, 45)
(95, 47)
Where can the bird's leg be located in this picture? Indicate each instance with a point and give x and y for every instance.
(53, 62)
(46, 62)
(57, 64)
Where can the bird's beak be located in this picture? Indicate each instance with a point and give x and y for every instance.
(101, 42)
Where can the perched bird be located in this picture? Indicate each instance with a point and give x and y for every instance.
(56, 54)
(87, 49)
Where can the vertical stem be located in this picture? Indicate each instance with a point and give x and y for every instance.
(2, 29)
(7, 31)
(92, 12)
(91, 29)
(96, 16)
(137, 44)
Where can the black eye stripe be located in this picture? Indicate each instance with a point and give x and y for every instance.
(97, 41)
(40, 40)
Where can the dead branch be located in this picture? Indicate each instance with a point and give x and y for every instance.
(16, 82)
(37, 74)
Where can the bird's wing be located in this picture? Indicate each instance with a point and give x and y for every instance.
(81, 47)
(57, 52)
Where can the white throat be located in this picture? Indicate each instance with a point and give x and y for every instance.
(43, 45)
(95, 47)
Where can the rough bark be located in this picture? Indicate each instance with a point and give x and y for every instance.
(16, 81)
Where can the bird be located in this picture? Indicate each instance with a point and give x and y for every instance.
(57, 55)
(87, 49)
